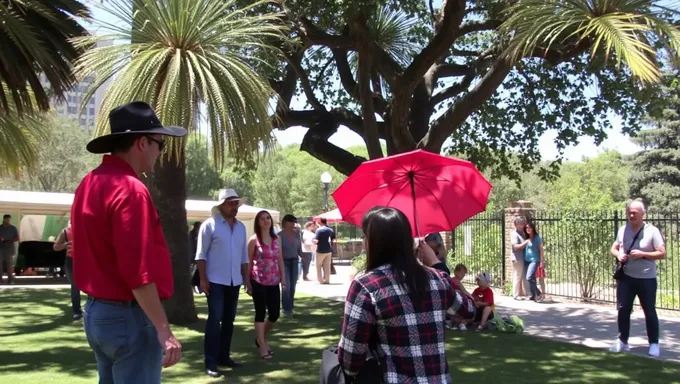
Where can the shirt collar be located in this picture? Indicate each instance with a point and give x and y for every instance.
(218, 217)
(117, 162)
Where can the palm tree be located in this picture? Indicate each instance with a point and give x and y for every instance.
(19, 137)
(187, 58)
(34, 39)
(628, 31)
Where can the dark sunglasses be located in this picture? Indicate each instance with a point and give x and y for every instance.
(161, 143)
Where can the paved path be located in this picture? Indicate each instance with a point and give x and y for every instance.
(586, 324)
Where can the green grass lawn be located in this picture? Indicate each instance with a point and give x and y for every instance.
(39, 343)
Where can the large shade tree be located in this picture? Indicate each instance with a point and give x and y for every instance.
(193, 61)
(35, 40)
(489, 77)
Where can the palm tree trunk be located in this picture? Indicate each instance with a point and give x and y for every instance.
(168, 189)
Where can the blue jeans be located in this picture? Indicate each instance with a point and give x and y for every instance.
(530, 268)
(626, 290)
(219, 328)
(75, 293)
(124, 342)
(288, 294)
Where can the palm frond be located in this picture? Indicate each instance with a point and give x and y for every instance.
(188, 56)
(618, 29)
(35, 38)
(20, 135)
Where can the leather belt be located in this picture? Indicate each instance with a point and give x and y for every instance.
(121, 303)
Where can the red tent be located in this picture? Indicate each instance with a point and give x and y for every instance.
(331, 217)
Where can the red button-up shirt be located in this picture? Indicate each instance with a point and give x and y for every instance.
(118, 241)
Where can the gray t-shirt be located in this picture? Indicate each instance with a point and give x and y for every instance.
(291, 248)
(8, 233)
(648, 240)
(517, 238)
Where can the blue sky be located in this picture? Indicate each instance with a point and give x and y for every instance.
(346, 138)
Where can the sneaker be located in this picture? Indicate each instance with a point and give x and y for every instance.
(620, 346)
(462, 327)
(77, 316)
(654, 350)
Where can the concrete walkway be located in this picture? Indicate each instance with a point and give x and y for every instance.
(578, 323)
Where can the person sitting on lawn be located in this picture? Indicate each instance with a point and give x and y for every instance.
(483, 296)
(467, 311)
(459, 273)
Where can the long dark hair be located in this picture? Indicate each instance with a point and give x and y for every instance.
(390, 242)
(258, 229)
(534, 232)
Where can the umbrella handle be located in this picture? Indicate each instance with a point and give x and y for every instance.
(411, 180)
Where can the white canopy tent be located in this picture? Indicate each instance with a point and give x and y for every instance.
(25, 204)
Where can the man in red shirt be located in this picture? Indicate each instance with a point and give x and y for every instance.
(120, 257)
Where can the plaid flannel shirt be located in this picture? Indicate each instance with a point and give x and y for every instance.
(410, 335)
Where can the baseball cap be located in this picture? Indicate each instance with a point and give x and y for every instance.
(485, 276)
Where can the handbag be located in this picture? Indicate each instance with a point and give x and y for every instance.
(332, 372)
(618, 269)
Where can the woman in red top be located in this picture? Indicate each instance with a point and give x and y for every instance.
(64, 242)
(266, 272)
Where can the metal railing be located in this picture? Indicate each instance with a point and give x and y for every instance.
(479, 245)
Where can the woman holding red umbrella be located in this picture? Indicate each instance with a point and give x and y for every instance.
(394, 303)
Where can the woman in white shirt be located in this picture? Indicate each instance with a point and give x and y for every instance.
(307, 248)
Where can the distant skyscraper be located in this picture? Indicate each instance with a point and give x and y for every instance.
(74, 98)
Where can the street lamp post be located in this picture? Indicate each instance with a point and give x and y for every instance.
(326, 179)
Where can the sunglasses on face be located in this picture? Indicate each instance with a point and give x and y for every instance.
(160, 143)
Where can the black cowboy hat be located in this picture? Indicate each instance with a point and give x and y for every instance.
(134, 118)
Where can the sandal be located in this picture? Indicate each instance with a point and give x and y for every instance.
(267, 356)
(257, 344)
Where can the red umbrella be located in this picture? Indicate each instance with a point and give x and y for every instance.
(436, 193)
(333, 216)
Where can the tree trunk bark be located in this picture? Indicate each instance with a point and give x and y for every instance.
(168, 189)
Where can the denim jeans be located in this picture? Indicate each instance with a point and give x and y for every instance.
(530, 272)
(306, 261)
(124, 342)
(75, 293)
(219, 328)
(288, 294)
(626, 290)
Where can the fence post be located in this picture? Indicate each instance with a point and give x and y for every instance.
(521, 208)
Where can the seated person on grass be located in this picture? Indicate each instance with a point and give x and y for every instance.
(459, 273)
(466, 312)
(483, 300)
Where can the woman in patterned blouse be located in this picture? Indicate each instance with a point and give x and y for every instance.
(396, 310)
(266, 272)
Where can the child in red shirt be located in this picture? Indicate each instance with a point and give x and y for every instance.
(483, 295)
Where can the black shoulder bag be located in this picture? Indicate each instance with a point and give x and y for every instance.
(618, 269)
(332, 372)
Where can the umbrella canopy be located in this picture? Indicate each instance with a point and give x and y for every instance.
(436, 193)
(333, 216)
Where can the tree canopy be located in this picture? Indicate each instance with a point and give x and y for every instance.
(480, 78)
(655, 175)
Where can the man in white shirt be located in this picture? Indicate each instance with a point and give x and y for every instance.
(307, 248)
(222, 257)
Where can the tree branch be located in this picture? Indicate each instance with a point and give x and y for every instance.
(454, 11)
(455, 89)
(479, 25)
(345, 72)
(295, 61)
(449, 70)
(313, 35)
(446, 124)
(359, 32)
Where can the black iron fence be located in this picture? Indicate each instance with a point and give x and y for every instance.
(479, 245)
(576, 244)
